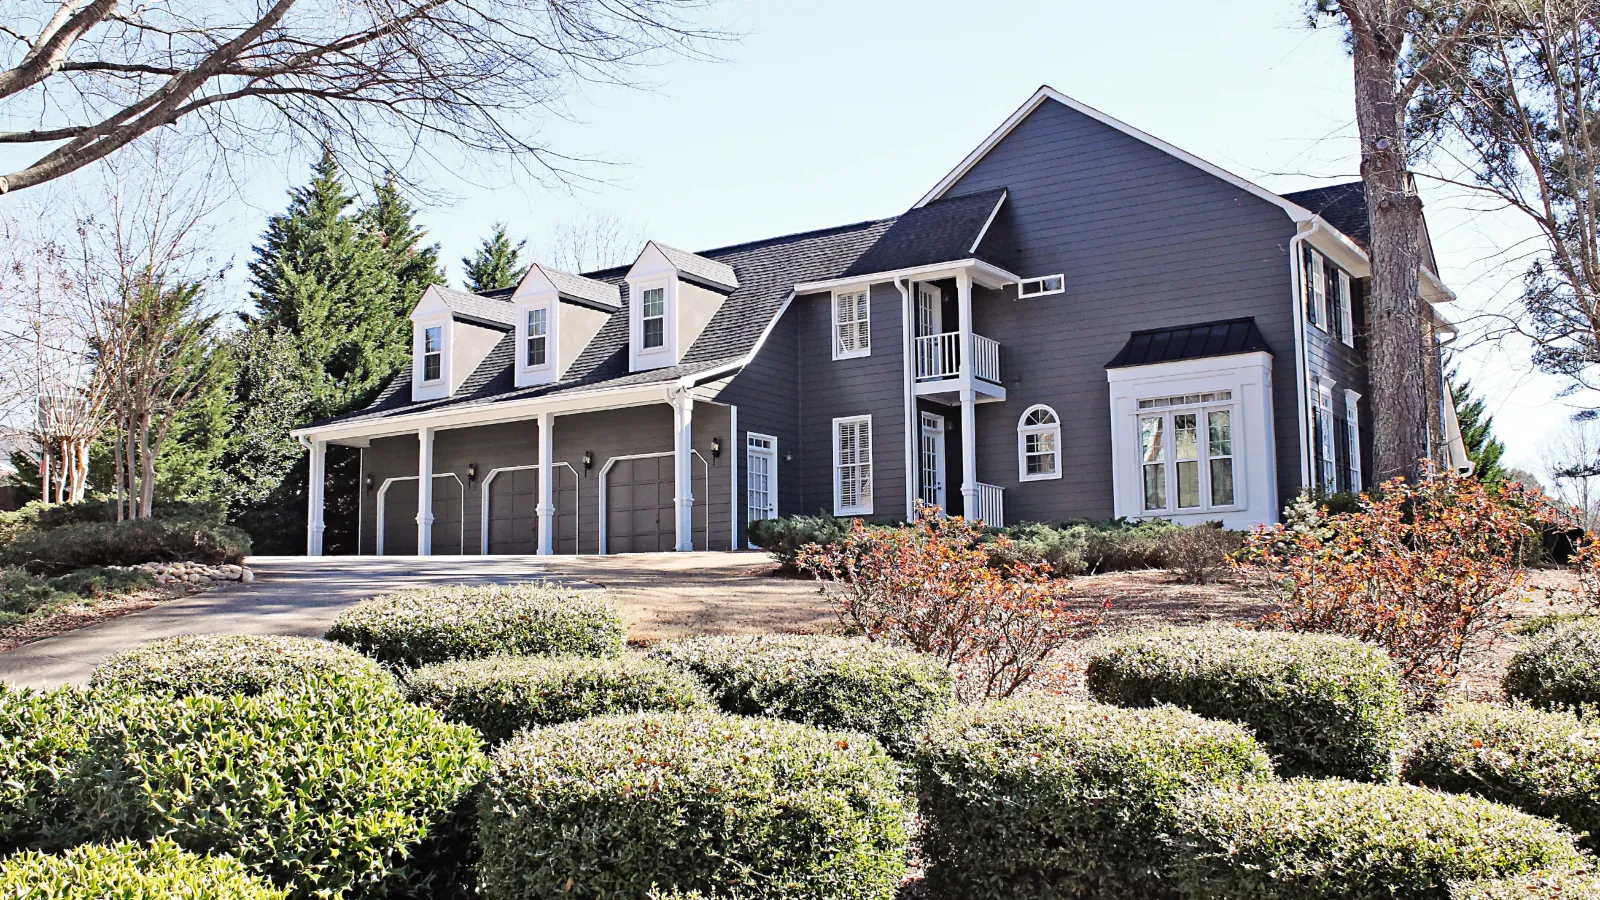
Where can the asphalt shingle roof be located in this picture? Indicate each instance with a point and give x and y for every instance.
(699, 268)
(478, 306)
(582, 288)
(945, 230)
(1159, 345)
(1344, 206)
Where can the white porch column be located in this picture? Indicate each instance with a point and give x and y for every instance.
(425, 492)
(547, 506)
(316, 499)
(969, 428)
(682, 471)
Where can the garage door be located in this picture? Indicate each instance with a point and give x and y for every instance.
(514, 511)
(399, 503)
(447, 537)
(639, 515)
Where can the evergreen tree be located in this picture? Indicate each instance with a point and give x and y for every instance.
(1477, 431)
(494, 266)
(391, 217)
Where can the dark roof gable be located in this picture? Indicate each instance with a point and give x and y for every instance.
(1161, 345)
(1344, 206)
(945, 230)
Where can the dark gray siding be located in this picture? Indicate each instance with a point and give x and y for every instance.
(1145, 241)
(767, 394)
(1331, 358)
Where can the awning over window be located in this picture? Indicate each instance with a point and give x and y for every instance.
(1161, 345)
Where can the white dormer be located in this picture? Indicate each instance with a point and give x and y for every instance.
(557, 314)
(672, 295)
(451, 333)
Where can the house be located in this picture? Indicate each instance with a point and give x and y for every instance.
(1080, 320)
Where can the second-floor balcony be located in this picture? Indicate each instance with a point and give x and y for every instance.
(939, 360)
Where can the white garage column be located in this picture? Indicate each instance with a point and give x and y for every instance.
(547, 506)
(316, 497)
(682, 479)
(969, 426)
(425, 492)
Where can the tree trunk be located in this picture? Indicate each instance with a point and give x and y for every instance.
(1396, 367)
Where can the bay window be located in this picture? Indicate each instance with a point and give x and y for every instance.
(1186, 454)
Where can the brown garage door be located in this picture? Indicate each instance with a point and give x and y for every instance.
(400, 517)
(639, 515)
(447, 537)
(514, 511)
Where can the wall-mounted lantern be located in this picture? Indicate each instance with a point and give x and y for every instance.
(716, 447)
(369, 481)
(588, 459)
(472, 472)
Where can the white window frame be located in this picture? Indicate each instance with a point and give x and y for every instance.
(862, 326)
(1352, 434)
(1317, 284)
(1024, 431)
(645, 319)
(423, 352)
(1347, 326)
(1043, 286)
(1327, 452)
(528, 336)
(863, 506)
(1202, 411)
(764, 446)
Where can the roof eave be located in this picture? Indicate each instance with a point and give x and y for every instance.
(991, 275)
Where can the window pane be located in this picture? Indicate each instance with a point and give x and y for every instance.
(432, 340)
(1042, 464)
(655, 302)
(431, 367)
(1188, 484)
(1221, 424)
(1150, 448)
(536, 351)
(1222, 482)
(655, 332)
(1186, 440)
(536, 321)
(1155, 486)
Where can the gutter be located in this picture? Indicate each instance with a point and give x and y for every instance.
(906, 363)
(1301, 374)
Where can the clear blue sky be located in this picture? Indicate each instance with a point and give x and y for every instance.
(833, 111)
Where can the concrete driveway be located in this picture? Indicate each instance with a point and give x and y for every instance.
(663, 594)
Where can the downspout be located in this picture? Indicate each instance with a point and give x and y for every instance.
(1301, 374)
(904, 287)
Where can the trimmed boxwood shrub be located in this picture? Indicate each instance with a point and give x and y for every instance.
(321, 790)
(1307, 840)
(41, 734)
(831, 682)
(435, 624)
(1038, 797)
(159, 870)
(1575, 885)
(502, 695)
(225, 664)
(1544, 762)
(784, 537)
(618, 805)
(128, 543)
(1559, 666)
(1322, 705)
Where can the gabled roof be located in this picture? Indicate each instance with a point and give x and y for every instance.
(1160, 345)
(477, 307)
(1344, 206)
(578, 287)
(945, 230)
(699, 268)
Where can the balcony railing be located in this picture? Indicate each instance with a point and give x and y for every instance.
(990, 505)
(939, 357)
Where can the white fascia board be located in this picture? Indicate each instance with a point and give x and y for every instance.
(454, 417)
(985, 274)
(1295, 211)
(431, 305)
(984, 231)
(1189, 368)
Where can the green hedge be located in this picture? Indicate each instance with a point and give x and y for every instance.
(502, 695)
(1559, 666)
(1309, 840)
(159, 870)
(436, 624)
(86, 544)
(1323, 706)
(1544, 762)
(1037, 797)
(41, 734)
(831, 682)
(226, 664)
(618, 805)
(784, 537)
(322, 791)
(1575, 885)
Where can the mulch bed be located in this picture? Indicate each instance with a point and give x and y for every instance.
(71, 618)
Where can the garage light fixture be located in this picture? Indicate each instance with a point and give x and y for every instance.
(716, 447)
(369, 481)
(588, 459)
(472, 471)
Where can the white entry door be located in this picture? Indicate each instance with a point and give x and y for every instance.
(929, 310)
(932, 460)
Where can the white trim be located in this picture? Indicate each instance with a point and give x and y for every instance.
(1295, 212)
(1327, 447)
(1297, 303)
(431, 388)
(941, 497)
(1352, 436)
(985, 274)
(605, 472)
(733, 462)
(1317, 298)
(384, 488)
(984, 231)
(865, 346)
(1024, 431)
(770, 453)
(488, 478)
(908, 379)
(1024, 294)
(545, 372)
(1347, 325)
(859, 509)
(490, 413)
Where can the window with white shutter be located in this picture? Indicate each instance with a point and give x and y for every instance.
(852, 466)
(1347, 325)
(1316, 290)
(852, 327)
(1352, 432)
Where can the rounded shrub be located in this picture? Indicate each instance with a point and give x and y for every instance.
(226, 664)
(1559, 666)
(1578, 884)
(159, 870)
(1323, 706)
(679, 802)
(1038, 797)
(435, 624)
(1308, 840)
(501, 695)
(41, 734)
(321, 790)
(830, 682)
(1543, 762)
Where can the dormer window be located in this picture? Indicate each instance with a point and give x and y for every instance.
(433, 353)
(538, 337)
(655, 318)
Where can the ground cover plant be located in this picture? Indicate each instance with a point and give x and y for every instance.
(80, 545)
(1539, 886)
(501, 695)
(1038, 797)
(158, 870)
(1321, 705)
(425, 625)
(24, 595)
(41, 735)
(227, 664)
(1310, 840)
(678, 802)
(1556, 667)
(837, 683)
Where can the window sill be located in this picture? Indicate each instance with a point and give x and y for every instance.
(852, 510)
(853, 354)
(1054, 476)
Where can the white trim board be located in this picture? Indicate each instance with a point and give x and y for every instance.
(483, 506)
(605, 471)
(384, 489)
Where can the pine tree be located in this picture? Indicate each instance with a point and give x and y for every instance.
(415, 266)
(494, 266)
(1477, 431)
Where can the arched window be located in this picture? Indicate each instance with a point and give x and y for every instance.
(1039, 444)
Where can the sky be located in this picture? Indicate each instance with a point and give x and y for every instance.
(824, 112)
